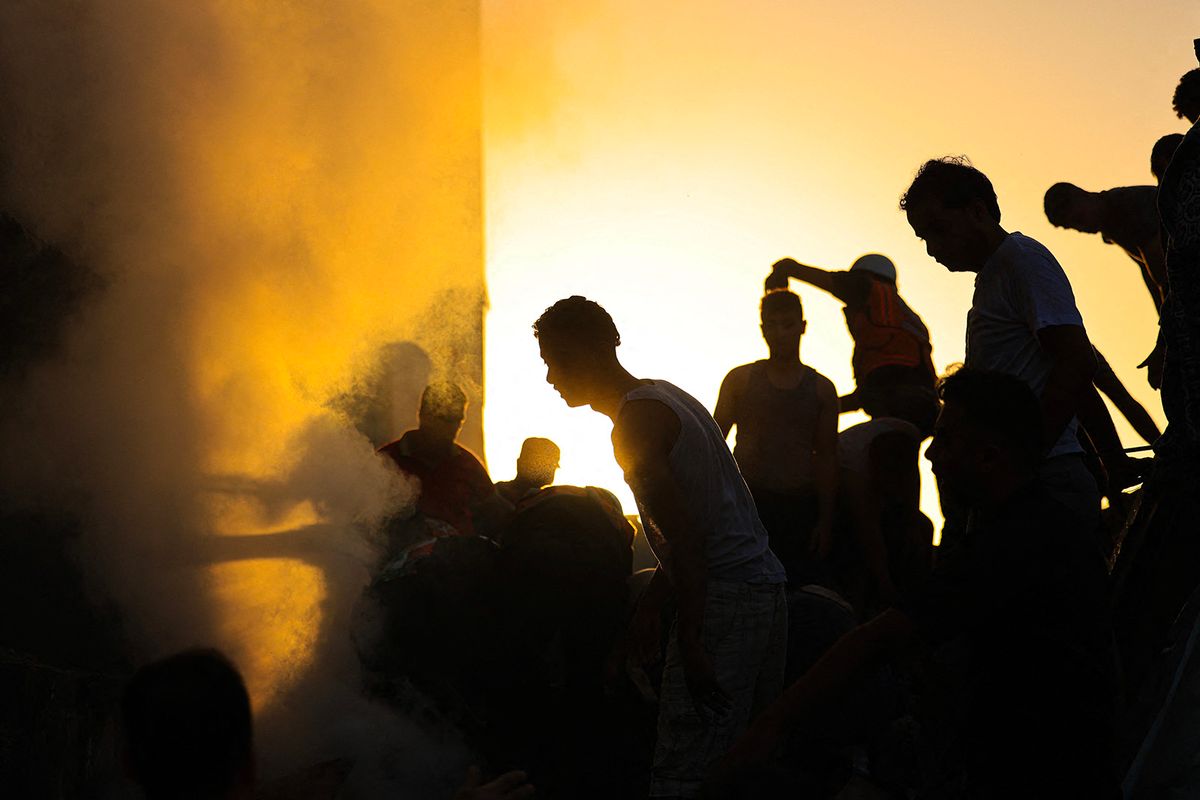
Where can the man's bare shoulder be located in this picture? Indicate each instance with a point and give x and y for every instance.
(644, 426)
(825, 388)
(738, 376)
(644, 415)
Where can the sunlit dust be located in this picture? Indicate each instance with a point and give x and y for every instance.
(271, 616)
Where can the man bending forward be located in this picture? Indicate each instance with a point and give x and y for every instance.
(725, 655)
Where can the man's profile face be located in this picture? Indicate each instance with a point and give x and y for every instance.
(782, 330)
(1076, 214)
(569, 374)
(950, 234)
(956, 453)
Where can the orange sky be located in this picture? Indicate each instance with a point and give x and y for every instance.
(658, 157)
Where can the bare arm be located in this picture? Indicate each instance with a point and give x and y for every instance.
(726, 411)
(825, 462)
(1069, 391)
(643, 437)
(815, 276)
(1074, 358)
(1110, 385)
(1155, 268)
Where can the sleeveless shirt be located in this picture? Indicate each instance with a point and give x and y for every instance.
(717, 497)
(775, 432)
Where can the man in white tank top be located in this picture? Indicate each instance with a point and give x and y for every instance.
(727, 645)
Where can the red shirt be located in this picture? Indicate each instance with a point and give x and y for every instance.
(450, 488)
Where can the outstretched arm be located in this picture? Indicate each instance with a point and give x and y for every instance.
(786, 268)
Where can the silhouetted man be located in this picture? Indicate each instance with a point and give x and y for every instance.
(786, 417)
(1023, 588)
(536, 466)
(725, 655)
(892, 352)
(1023, 321)
(1126, 216)
(456, 495)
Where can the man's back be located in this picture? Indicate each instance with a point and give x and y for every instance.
(886, 332)
(1131, 219)
(700, 462)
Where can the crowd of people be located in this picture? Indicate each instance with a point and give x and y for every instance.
(800, 634)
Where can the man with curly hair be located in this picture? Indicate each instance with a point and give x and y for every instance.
(1186, 101)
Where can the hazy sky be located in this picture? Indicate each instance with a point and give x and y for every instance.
(658, 157)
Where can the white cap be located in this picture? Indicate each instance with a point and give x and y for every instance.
(876, 265)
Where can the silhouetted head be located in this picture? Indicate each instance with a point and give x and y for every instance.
(1186, 101)
(988, 434)
(783, 322)
(443, 407)
(1162, 152)
(952, 207)
(877, 265)
(188, 730)
(578, 341)
(538, 461)
(1068, 206)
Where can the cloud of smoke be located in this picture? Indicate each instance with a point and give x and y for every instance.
(268, 193)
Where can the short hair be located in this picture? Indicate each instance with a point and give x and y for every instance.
(1162, 152)
(953, 182)
(781, 300)
(1186, 101)
(187, 724)
(577, 323)
(1000, 405)
(444, 399)
(1058, 199)
(535, 447)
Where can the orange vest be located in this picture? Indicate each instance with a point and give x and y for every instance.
(886, 333)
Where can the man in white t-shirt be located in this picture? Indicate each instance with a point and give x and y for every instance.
(1023, 321)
